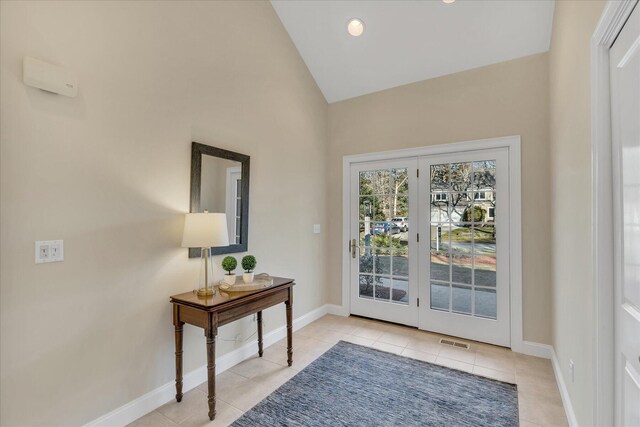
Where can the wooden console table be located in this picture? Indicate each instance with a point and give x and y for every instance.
(220, 309)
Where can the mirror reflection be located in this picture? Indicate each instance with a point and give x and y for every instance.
(220, 184)
(221, 191)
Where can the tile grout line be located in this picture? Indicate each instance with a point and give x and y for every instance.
(326, 330)
(404, 347)
(233, 406)
(354, 330)
(165, 417)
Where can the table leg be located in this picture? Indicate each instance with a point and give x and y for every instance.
(260, 333)
(289, 305)
(178, 336)
(211, 371)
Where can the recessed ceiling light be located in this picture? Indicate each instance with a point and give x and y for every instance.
(448, 1)
(355, 27)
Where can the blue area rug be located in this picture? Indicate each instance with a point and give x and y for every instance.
(352, 385)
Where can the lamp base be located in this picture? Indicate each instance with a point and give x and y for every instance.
(205, 292)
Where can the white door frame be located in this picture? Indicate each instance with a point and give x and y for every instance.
(515, 207)
(613, 17)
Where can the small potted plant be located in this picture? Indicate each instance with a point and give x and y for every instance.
(229, 264)
(248, 265)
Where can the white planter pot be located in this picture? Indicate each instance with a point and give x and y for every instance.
(247, 277)
(230, 279)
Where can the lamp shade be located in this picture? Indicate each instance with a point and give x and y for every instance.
(205, 230)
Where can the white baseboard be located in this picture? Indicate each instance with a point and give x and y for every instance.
(338, 310)
(548, 352)
(165, 393)
(564, 393)
(531, 348)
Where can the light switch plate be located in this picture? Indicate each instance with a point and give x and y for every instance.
(49, 251)
(42, 252)
(316, 228)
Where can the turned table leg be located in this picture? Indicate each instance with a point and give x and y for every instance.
(289, 305)
(211, 371)
(178, 336)
(260, 334)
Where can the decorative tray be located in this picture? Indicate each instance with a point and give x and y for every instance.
(260, 281)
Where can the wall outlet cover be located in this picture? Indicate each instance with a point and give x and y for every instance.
(571, 370)
(49, 251)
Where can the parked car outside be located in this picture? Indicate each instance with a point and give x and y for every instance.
(402, 222)
(385, 228)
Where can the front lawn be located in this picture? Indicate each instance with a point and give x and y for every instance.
(464, 234)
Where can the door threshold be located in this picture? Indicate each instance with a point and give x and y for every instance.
(442, 336)
(384, 321)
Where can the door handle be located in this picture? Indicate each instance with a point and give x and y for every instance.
(354, 247)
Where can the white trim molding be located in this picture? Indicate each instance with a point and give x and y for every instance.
(166, 392)
(515, 230)
(338, 310)
(564, 393)
(531, 348)
(613, 17)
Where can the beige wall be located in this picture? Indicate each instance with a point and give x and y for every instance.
(108, 172)
(509, 98)
(570, 131)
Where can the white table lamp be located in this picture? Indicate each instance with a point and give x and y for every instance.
(205, 230)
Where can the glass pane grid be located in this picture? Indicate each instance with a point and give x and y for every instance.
(462, 195)
(488, 287)
(383, 254)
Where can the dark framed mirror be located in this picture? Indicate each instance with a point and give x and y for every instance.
(220, 183)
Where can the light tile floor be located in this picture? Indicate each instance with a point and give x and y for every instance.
(247, 383)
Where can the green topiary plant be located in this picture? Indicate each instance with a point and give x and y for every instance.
(229, 264)
(478, 214)
(249, 263)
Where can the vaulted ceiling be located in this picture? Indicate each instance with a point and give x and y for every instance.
(409, 41)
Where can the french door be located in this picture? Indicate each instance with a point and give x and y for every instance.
(384, 282)
(429, 243)
(464, 265)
